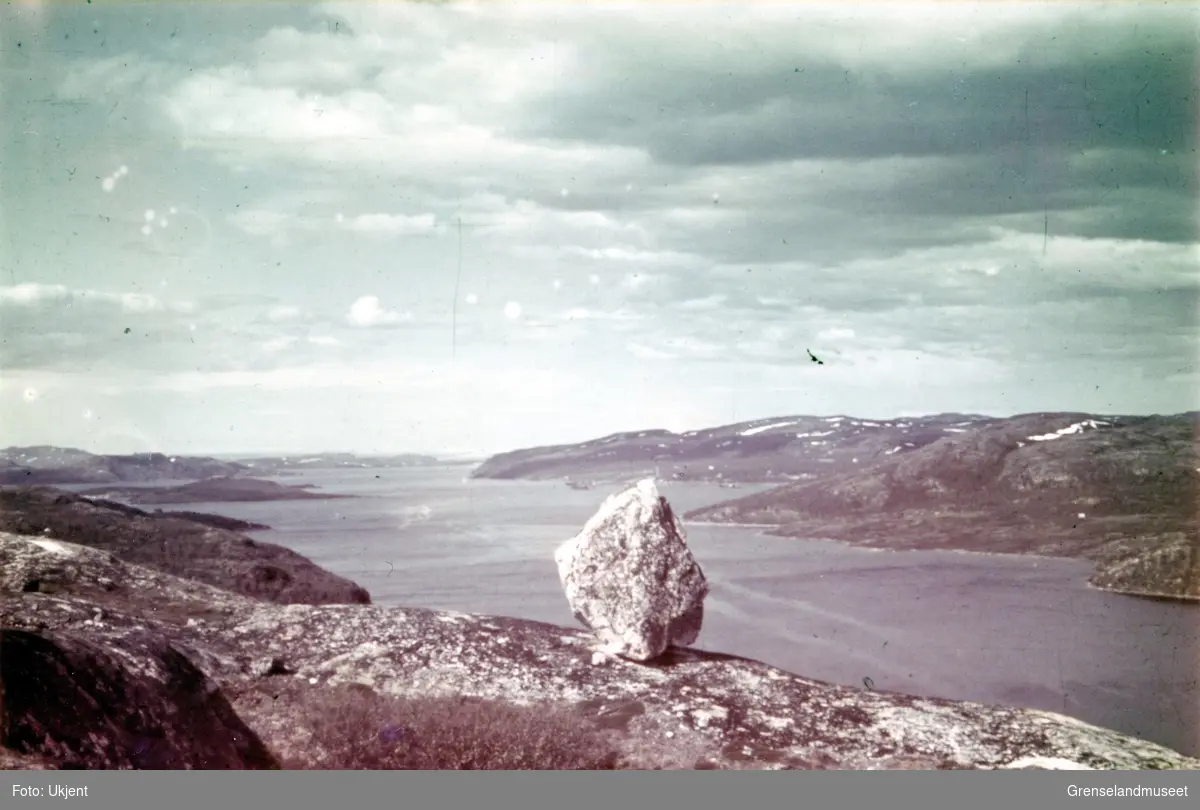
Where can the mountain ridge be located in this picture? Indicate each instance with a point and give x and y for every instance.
(775, 449)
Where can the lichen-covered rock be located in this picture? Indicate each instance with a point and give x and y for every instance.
(630, 577)
(723, 711)
(141, 705)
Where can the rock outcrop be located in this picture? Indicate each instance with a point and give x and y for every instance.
(184, 648)
(83, 703)
(630, 577)
(176, 546)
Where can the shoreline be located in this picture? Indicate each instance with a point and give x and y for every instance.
(763, 529)
(1182, 599)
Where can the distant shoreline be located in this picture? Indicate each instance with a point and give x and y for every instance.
(764, 528)
(1181, 598)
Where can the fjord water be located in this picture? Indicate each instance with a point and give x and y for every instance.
(1020, 631)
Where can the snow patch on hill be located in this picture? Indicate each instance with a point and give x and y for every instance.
(1078, 427)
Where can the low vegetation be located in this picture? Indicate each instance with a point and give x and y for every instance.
(355, 728)
(358, 729)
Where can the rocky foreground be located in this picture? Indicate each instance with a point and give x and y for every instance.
(108, 663)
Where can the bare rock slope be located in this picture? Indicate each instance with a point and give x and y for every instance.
(215, 679)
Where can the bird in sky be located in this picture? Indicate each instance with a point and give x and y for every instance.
(813, 357)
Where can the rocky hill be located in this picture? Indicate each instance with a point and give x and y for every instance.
(138, 668)
(1119, 491)
(213, 490)
(173, 545)
(785, 448)
(57, 465)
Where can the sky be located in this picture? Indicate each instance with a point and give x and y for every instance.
(467, 228)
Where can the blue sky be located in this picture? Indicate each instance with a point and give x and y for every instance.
(234, 227)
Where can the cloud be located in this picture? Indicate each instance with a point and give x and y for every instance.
(705, 304)
(835, 334)
(368, 311)
(283, 312)
(390, 224)
(278, 344)
(35, 294)
(262, 223)
(643, 352)
(955, 205)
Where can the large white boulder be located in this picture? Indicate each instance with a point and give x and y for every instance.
(630, 577)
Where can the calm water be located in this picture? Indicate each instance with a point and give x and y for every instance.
(998, 629)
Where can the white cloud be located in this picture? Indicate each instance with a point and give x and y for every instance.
(643, 352)
(116, 76)
(390, 224)
(393, 375)
(633, 254)
(278, 344)
(835, 334)
(283, 312)
(367, 311)
(706, 304)
(260, 222)
(695, 347)
(382, 128)
(585, 314)
(34, 293)
(272, 223)
(636, 281)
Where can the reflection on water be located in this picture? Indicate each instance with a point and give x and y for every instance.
(1002, 629)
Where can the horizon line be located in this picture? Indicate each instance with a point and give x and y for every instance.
(464, 455)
